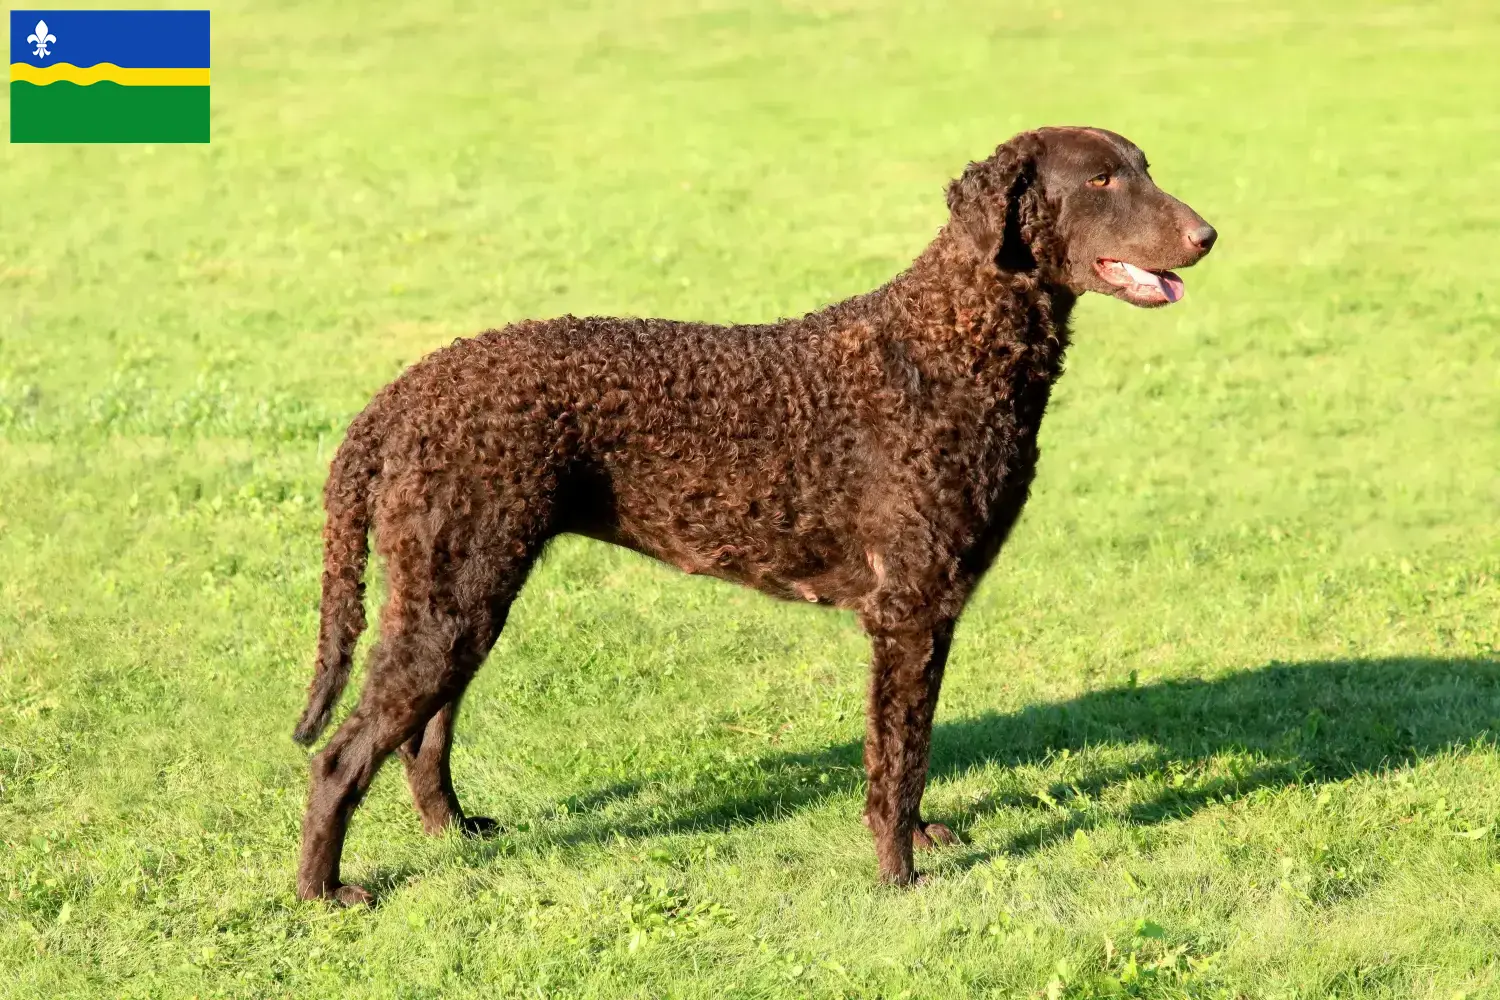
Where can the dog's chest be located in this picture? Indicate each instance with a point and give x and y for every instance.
(981, 439)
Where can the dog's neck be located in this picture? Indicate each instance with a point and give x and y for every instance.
(959, 309)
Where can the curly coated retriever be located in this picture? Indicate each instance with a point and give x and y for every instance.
(873, 456)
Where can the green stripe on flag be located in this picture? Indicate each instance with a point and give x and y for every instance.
(107, 112)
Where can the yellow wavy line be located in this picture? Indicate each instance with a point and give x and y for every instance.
(101, 72)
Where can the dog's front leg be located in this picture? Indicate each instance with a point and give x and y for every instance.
(906, 672)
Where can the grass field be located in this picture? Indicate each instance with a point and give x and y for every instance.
(1221, 723)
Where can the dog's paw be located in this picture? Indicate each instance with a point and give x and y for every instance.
(478, 826)
(930, 835)
(352, 895)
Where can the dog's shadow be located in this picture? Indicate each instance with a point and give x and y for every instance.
(1315, 721)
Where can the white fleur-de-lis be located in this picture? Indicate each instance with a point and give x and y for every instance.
(41, 38)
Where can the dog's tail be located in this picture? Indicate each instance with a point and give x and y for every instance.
(346, 500)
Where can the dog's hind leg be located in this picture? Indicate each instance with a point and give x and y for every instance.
(489, 579)
(418, 672)
(411, 676)
(435, 635)
(426, 754)
(428, 775)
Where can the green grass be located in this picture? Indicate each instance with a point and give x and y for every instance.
(1221, 723)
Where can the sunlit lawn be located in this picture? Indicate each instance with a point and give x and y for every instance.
(1220, 723)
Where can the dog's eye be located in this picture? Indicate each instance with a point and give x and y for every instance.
(1100, 180)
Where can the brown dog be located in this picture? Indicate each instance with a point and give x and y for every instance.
(873, 456)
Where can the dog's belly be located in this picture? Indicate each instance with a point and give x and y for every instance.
(792, 570)
(746, 529)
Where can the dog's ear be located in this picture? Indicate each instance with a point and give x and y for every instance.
(996, 205)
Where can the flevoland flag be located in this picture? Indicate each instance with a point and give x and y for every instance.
(109, 76)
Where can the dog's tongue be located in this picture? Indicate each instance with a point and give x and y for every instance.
(1166, 282)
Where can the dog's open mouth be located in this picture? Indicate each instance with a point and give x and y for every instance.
(1138, 285)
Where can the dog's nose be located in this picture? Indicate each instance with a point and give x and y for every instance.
(1202, 238)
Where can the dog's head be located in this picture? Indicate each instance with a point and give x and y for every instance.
(1079, 205)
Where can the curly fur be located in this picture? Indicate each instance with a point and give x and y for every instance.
(873, 456)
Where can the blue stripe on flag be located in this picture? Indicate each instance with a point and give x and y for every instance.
(145, 39)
